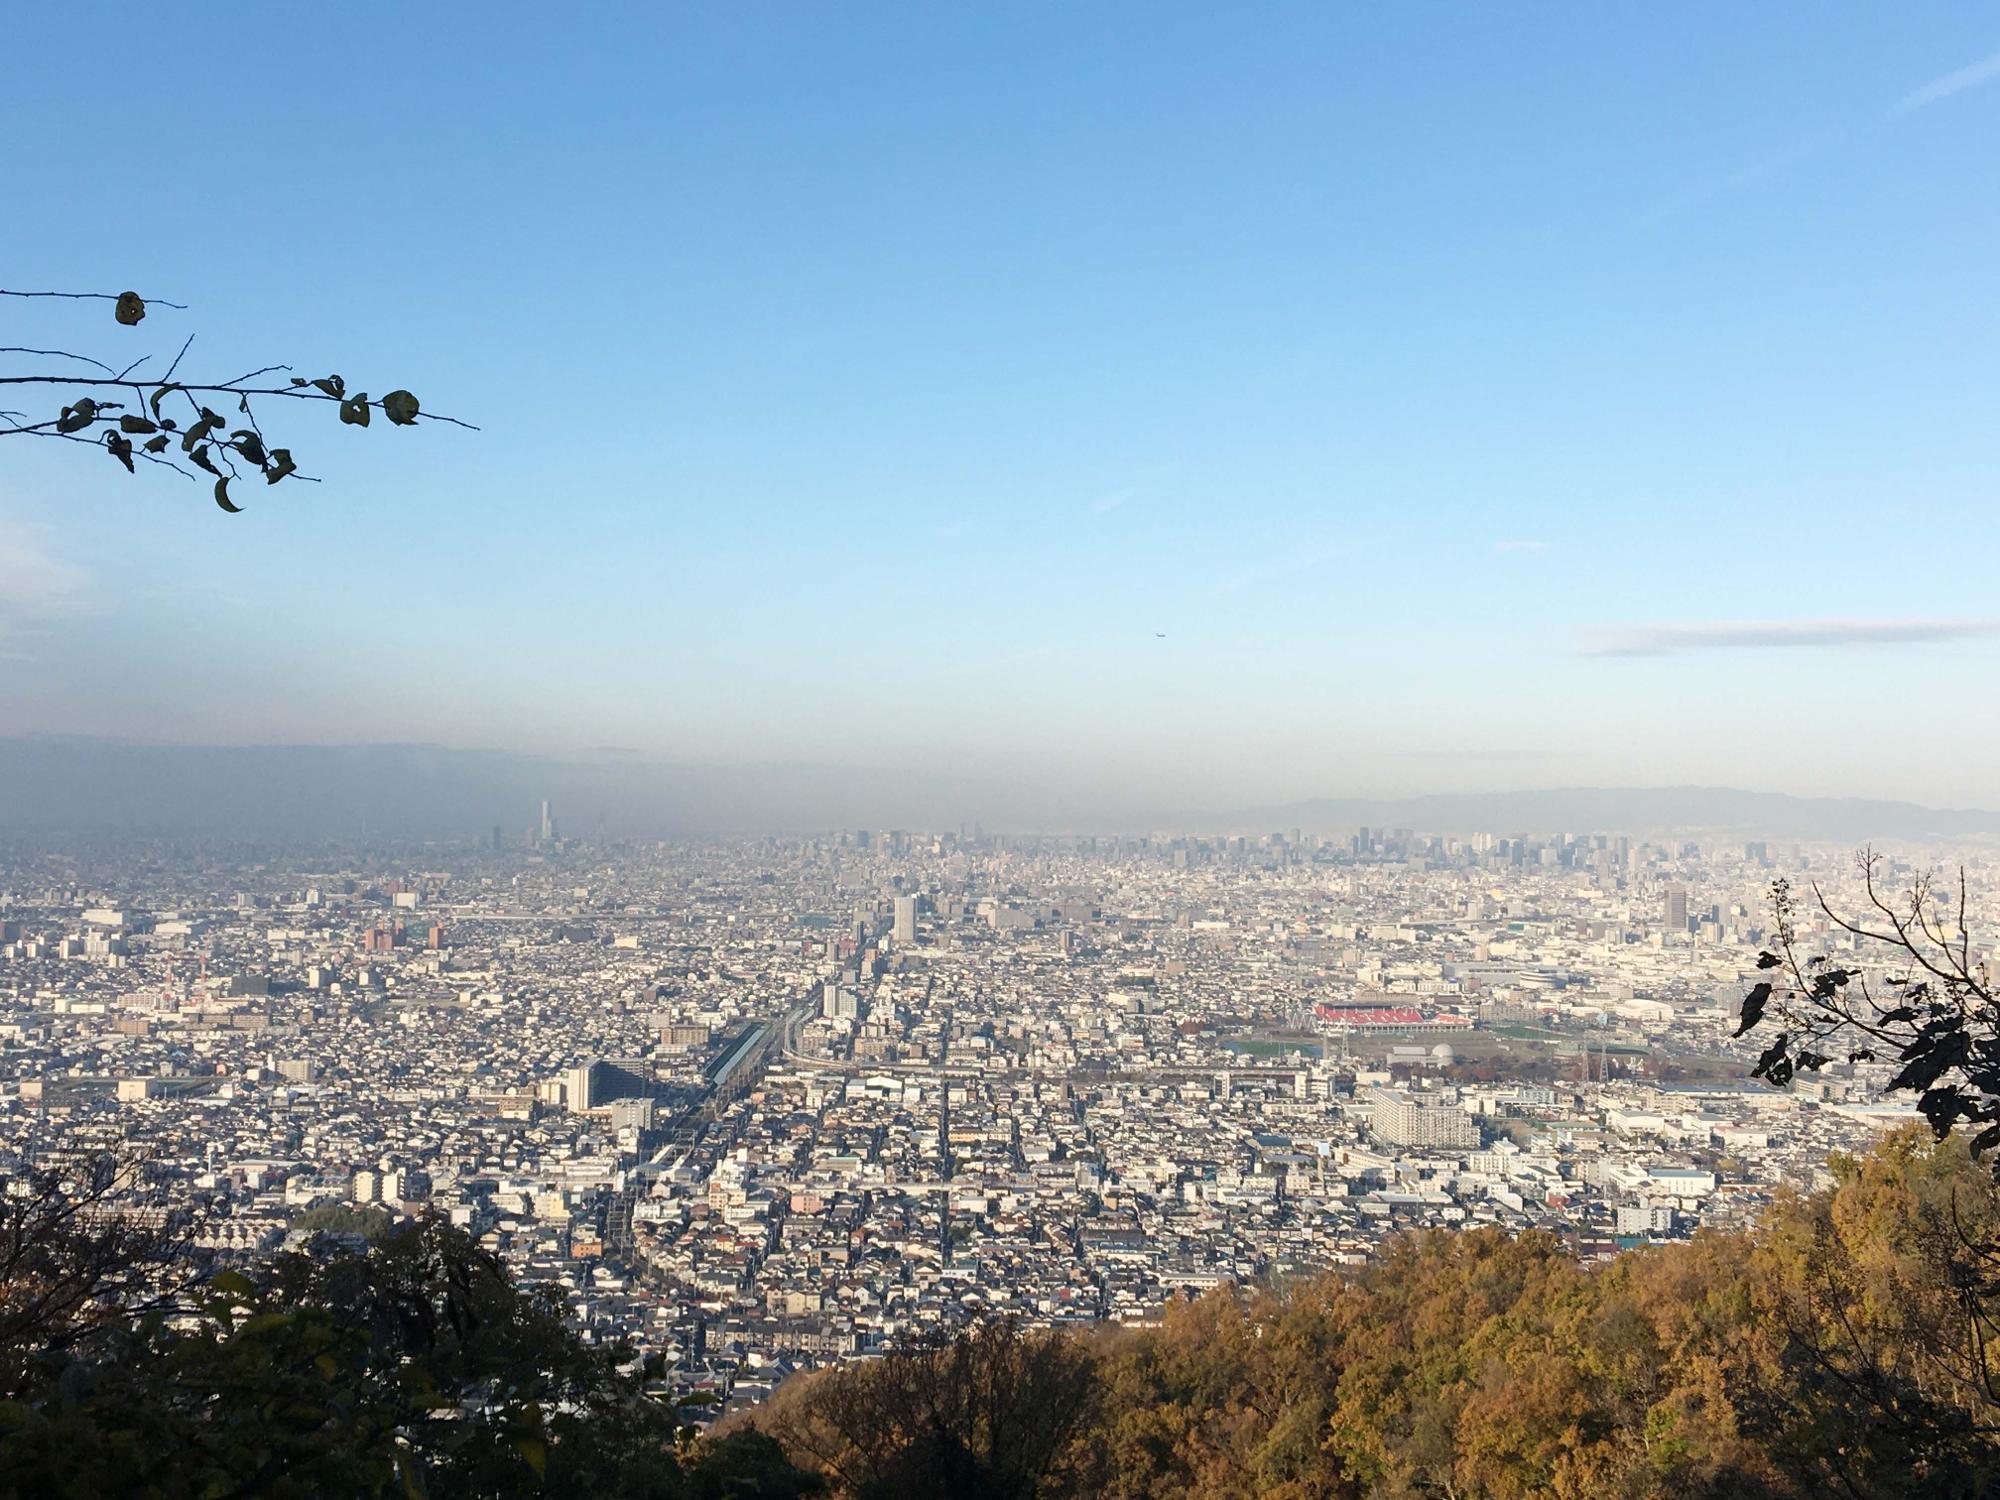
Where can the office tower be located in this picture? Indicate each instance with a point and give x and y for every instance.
(548, 823)
(576, 1087)
(1676, 913)
(496, 838)
(906, 920)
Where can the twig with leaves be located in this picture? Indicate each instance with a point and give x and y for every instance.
(139, 428)
(1932, 1008)
(74, 1252)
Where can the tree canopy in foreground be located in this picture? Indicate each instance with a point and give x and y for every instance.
(1841, 1347)
(405, 1365)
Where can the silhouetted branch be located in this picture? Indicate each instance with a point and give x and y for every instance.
(227, 389)
(135, 430)
(96, 297)
(1937, 1013)
(65, 354)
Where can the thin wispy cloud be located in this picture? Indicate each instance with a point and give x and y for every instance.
(1299, 562)
(1104, 504)
(1520, 544)
(1936, 91)
(1723, 635)
(1939, 89)
(36, 587)
(1742, 178)
(1467, 753)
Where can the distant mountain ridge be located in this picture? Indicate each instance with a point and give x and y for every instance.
(1631, 810)
(82, 785)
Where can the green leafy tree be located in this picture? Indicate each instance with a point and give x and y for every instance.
(365, 1222)
(411, 1367)
(73, 1257)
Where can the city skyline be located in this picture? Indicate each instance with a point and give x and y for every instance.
(1325, 405)
(66, 785)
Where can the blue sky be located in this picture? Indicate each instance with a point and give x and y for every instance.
(872, 385)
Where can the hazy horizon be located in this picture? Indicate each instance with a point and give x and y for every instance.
(1135, 402)
(69, 784)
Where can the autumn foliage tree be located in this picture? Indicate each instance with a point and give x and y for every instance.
(991, 1415)
(170, 419)
(1835, 1350)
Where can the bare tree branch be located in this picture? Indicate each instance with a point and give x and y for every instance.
(95, 297)
(65, 354)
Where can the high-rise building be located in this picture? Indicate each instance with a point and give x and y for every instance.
(548, 832)
(906, 920)
(595, 1082)
(633, 1114)
(1676, 914)
(1403, 1120)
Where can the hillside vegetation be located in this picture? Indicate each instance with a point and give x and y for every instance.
(1838, 1349)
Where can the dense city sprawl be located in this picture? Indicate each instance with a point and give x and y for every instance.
(763, 1105)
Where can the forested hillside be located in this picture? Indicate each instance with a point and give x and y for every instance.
(1839, 1349)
